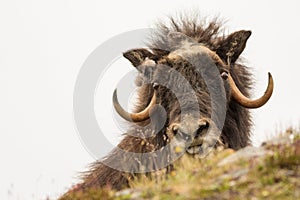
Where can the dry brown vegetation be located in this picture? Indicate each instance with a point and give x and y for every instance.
(271, 171)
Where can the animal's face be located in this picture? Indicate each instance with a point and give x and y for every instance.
(192, 82)
(184, 79)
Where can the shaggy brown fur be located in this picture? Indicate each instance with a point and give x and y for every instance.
(236, 130)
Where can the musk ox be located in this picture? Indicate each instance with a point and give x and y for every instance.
(192, 88)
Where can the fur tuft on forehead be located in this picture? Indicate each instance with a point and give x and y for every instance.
(203, 31)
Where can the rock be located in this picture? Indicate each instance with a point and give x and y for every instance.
(133, 193)
(234, 174)
(278, 141)
(246, 153)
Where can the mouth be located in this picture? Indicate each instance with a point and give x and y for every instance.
(194, 150)
(203, 145)
(192, 139)
(195, 147)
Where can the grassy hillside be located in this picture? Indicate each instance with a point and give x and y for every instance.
(271, 171)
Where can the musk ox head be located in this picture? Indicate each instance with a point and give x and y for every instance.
(192, 72)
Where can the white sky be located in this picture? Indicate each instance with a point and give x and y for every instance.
(44, 43)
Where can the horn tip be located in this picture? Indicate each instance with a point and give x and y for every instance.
(269, 74)
(115, 95)
(270, 77)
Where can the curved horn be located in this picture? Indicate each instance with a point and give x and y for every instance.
(135, 117)
(246, 102)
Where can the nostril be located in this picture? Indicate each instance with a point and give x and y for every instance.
(203, 125)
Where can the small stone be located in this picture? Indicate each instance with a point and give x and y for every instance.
(232, 183)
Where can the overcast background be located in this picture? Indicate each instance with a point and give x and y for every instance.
(43, 45)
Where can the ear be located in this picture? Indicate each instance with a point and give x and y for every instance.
(138, 56)
(233, 45)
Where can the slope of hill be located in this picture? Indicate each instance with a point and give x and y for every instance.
(271, 171)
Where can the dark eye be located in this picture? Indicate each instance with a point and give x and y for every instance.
(154, 85)
(175, 129)
(224, 75)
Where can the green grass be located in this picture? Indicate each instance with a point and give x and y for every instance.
(274, 176)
